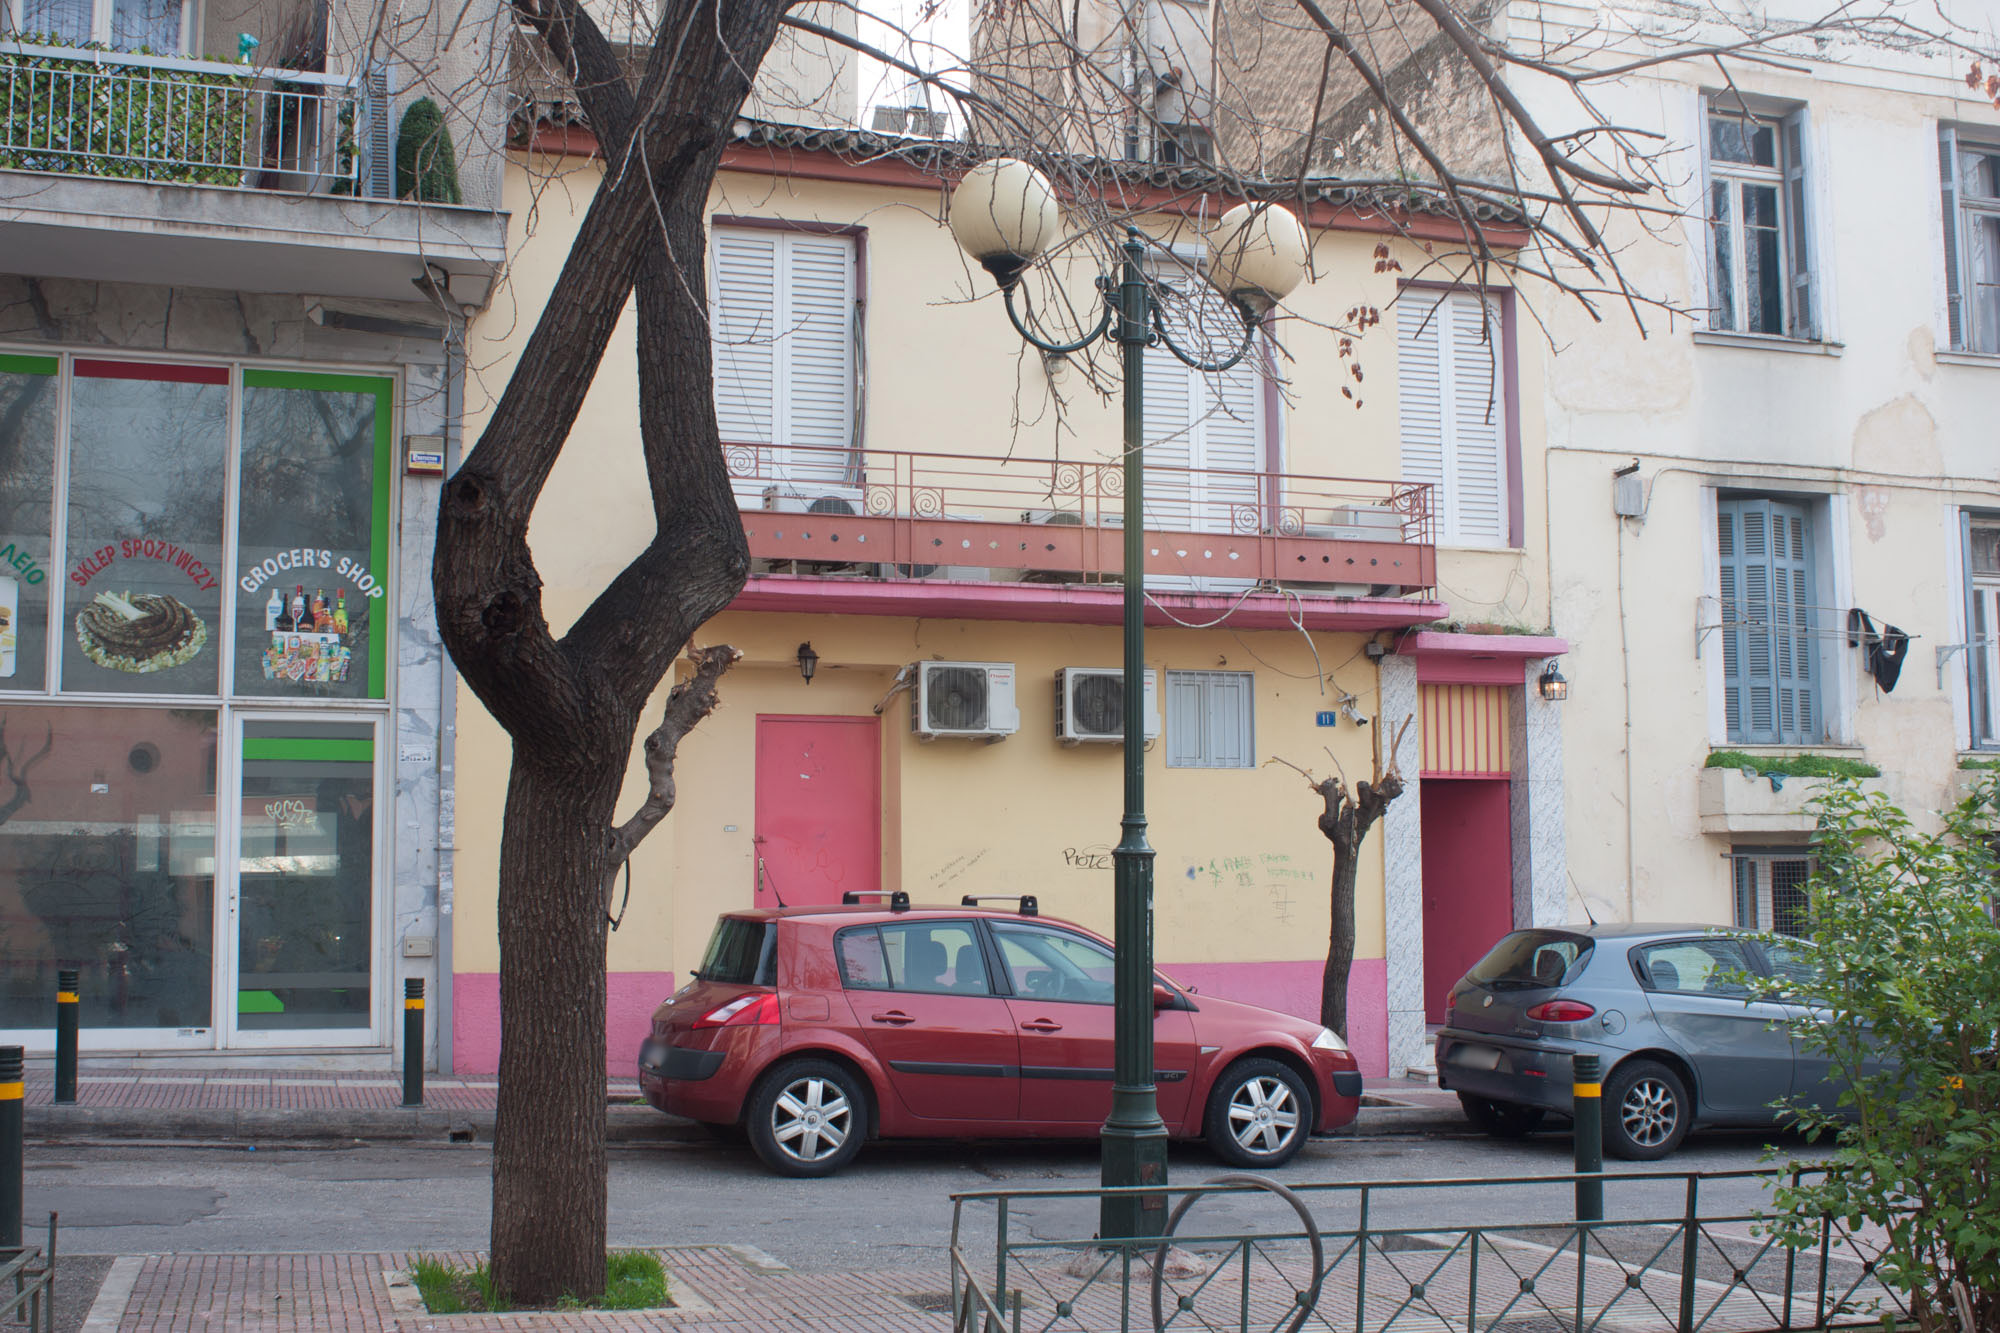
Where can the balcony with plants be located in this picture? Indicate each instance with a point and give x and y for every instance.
(218, 172)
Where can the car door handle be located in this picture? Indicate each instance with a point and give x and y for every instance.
(1041, 1025)
(895, 1018)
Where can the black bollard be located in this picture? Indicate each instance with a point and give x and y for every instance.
(11, 1160)
(1586, 1105)
(66, 1035)
(413, 1041)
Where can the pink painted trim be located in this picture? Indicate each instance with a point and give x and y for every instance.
(1468, 671)
(630, 1000)
(1293, 988)
(1067, 603)
(1515, 647)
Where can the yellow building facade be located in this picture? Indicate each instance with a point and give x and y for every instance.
(933, 516)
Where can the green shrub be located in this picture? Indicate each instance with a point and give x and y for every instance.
(426, 166)
(1905, 994)
(56, 116)
(1973, 763)
(1794, 765)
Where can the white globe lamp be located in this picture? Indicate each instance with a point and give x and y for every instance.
(1004, 215)
(1257, 255)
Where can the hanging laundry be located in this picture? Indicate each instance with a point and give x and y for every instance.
(1885, 649)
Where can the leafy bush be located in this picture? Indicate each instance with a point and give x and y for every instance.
(1906, 985)
(1794, 765)
(135, 122)
(426, 166)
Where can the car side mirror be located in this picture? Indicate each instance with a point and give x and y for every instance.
(1164, 998)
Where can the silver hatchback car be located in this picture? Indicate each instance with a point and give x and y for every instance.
(1684, 1041)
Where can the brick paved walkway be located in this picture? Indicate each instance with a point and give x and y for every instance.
(720, 1290)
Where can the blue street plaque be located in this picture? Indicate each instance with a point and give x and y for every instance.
(1325, 719)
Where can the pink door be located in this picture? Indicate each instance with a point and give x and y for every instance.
(819, 819)
(1468, 879)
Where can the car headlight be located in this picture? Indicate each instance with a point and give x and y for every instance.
(1327, 1040)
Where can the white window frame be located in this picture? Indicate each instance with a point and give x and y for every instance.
(1202, 753)
(1802, 312)
(101, 12)
(1982, 639)
(1438, 335)
(1962, 213)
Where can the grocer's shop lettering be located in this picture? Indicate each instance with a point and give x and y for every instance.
(306, 557)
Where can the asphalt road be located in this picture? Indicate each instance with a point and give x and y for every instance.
(890, 1208)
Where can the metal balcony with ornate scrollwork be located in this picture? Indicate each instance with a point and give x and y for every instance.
(893, 517)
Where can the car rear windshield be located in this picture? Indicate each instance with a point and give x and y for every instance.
(742, 952)
(1530, 958)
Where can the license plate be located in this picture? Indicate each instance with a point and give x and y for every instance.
(1476, 1057)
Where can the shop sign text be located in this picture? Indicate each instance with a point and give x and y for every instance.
(147, 548)
(301, 558)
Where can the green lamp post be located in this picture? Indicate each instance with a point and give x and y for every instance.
(1004, 215)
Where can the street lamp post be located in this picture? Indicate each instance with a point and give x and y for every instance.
(1004, 214)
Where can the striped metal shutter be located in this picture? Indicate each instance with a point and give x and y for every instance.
(783, 317)
(1210, 720)
(1229, 447)
(378, 136)
(1168, 417)
(1452, 410)
(1768, 646)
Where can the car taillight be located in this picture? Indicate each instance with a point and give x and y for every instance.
(1561, 1011)
(744, 1011)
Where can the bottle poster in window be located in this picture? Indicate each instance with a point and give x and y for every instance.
(310, 635)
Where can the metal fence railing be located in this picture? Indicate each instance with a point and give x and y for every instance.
(1678, 1253)
(28, 1285)
(162, 118)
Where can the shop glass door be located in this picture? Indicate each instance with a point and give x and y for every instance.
(303, 954)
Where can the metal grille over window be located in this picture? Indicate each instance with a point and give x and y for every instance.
(1771, 892)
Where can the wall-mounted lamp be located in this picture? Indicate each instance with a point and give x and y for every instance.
(808, 662)
(1552, 685)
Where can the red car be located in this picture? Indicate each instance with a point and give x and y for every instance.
(814, 1028)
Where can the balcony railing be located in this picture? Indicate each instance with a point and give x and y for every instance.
(891, 514)
(162, 118)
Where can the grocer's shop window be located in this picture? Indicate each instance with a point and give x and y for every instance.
(183, 565)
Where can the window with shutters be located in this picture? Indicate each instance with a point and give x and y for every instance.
(1982, 594)
(1204, 432)
(1210, 721)
(1771, 889)
(784, 318)
(1452, 405)
(1969, 170)
(1769, 622)
(1760, 262)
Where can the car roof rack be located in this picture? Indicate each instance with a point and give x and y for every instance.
(899, 901)
(1029, 907)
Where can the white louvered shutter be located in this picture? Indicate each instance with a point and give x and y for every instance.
(1420, 399)
(1229, 448)
(817, 352)
(783, 315)
(1169, 421)
(1453, 412)
(1477, 434)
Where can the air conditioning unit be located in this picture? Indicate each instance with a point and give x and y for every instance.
(956, 573)
(786, 500)
(1070, 518)
(1360, 523)
(1090, 705)
(964, 699)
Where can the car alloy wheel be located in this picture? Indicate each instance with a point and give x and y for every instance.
(1259, 1114)
(1646, 1111)
(811, 1119)
(807, 1118)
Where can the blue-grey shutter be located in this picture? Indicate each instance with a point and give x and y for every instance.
(1184, 719)
(1229, 739)
(1794, 132)
(1766, 588)
(1746, 890)
(1953, 278)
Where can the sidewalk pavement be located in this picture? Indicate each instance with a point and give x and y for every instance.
(155, 1103)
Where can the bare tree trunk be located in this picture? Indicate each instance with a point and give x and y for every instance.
(549, 1210)
(1340, 934)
